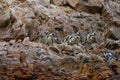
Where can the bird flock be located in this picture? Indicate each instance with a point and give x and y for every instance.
(48, 38)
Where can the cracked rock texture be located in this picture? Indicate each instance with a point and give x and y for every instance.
(23, 57)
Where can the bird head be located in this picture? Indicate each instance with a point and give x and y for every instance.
(94, 33)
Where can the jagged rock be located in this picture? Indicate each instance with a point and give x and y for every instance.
(44, 2)
(58, 2)
(117, 77)
(9, 1)
(116, 32)
(73, 3)
(54, 49)
(110, 12)
(69, 63)
(89, 6)
(22, 20)
(83, 58)
(4, 19)
(20, 27)
(112, 45)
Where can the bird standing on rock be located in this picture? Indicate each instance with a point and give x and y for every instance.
(66, 38)
(72, 39)
(41, 36)
(109, 56)
(82, 36)
(91, 37)
(49, 39)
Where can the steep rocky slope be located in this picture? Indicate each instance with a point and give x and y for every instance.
(25, 54)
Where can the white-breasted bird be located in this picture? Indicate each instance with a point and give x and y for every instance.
(41, 36)
(82, 36)
(91, 37)
(109, 56)
(72, 39)
(49, 39)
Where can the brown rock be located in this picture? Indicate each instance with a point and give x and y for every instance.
(26, 60)
(22, 57)
(110, 12)
(17, 74)
(89, 6)
(73, 3)
(58, 2)
(54, 49)
(112, 45)
(116, 32)
(69, 63)
(4, 19)
(40, 2)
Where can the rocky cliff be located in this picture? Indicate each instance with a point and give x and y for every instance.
(59, 39)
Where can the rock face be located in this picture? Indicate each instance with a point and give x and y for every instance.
(27, 25)
(93, 6)
(59, 2)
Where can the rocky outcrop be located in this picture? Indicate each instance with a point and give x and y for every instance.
(34, 36)
(32, 57)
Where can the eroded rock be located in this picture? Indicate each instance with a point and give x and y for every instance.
(59, 2)
(22, 57)
(73, 3)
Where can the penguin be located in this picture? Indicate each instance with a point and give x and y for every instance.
(91, 37)
(74, 39)
(49, 39)
(109, 56)
(41, 36)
